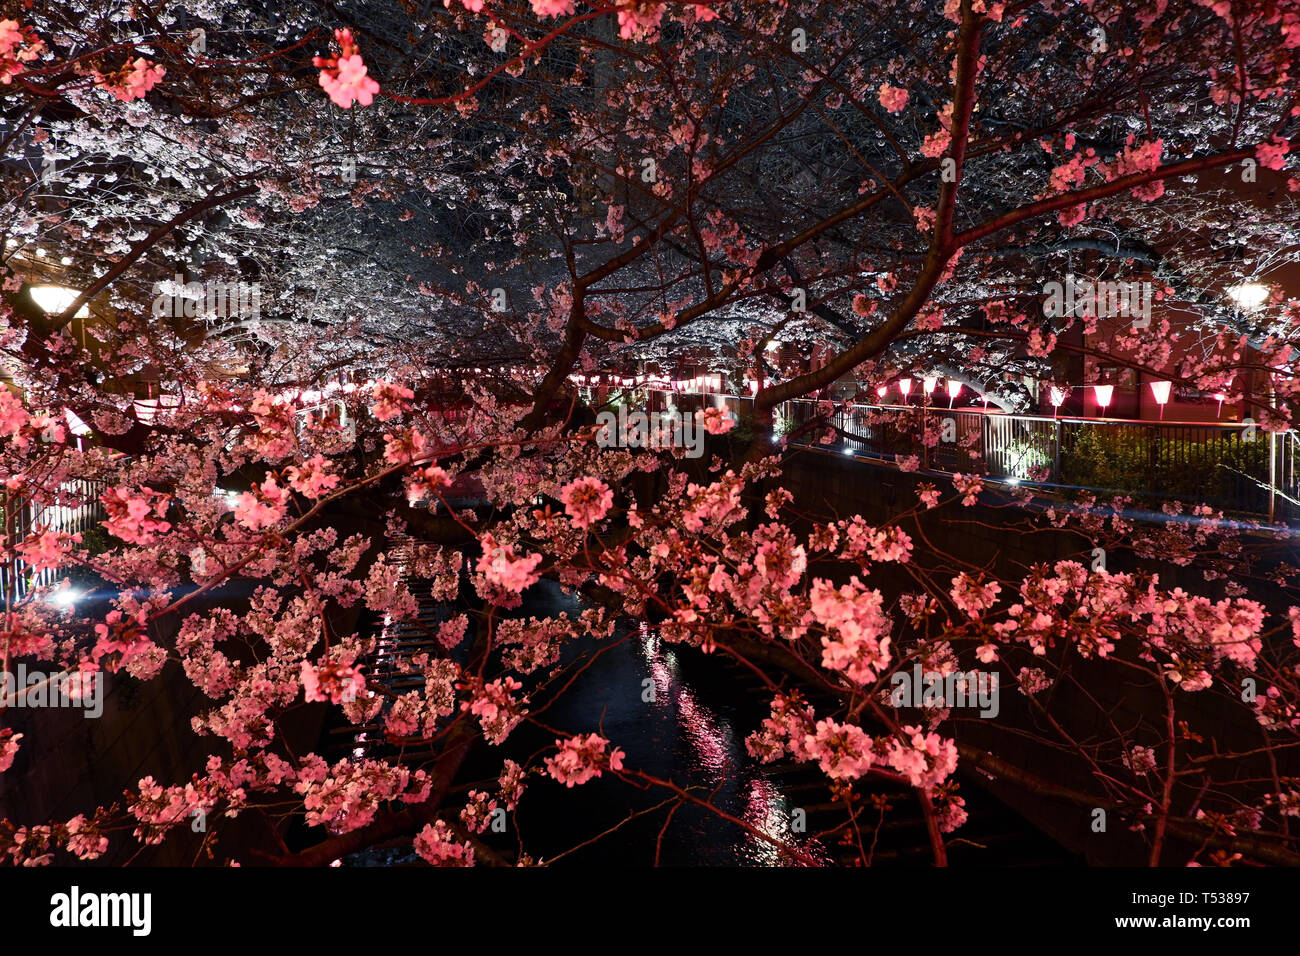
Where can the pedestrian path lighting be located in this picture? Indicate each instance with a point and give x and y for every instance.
(954, 389)
(905, 386)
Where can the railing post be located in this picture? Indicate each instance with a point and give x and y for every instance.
(1056, 450)
(1272, 476)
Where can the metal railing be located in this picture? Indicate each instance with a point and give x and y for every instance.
(1235, 467)
(76, 509)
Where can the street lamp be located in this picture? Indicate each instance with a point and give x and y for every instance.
(905, 386)
(54, 299)
(1249, 296)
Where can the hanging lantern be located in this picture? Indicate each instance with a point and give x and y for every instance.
(1104, 394)
(1160, 390)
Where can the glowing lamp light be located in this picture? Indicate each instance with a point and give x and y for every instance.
(929, 385)
(1248, 296)
(905, 386)
(954, 389)
(1160, 390)
(1104, 394)
(53, 299)
(65, 597)
(75, 424)
(1057, 396)
(147, 409)
(882, 391)
(1220, 398)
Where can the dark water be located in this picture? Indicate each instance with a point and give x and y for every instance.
(691, 730)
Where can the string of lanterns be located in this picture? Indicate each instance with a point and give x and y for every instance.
(1103, 393)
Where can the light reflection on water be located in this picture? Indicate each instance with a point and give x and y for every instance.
(715, 754)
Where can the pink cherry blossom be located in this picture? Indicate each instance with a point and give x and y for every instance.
(136, 78)
(134, 516)
(583, 758)
(344, 77)
(390, 400)
(586, 501)
(8, 748)
(313, 477)
(843, 751)
(331, 681)
(500, 566)
(552, 8)
(892, 98)
(716, 421)
(1272, 155)
(438, 846)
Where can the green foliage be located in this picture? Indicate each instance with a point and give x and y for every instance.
(1222, 469)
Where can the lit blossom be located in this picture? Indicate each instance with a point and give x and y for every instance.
(132, 81)
(312, 478)
(716, 421)
(344, 77)
(892, 98)
(8, 748)
(332, 681)
(586, 501)
(859, 641)
(135, 515)
(582, 758)
(263, 507)
(1272, 155)
(843, 751)
(390, 400)
(552, 8)
(437, 845)
(969, 486)
(639, 19)
(501, 567)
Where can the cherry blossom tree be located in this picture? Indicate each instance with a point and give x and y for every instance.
(449, 214)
